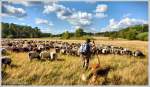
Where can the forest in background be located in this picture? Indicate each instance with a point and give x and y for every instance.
(11, 30)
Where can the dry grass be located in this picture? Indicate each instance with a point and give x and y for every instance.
(126, 70)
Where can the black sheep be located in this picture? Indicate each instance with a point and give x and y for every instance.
(138, 53)
(6, 60)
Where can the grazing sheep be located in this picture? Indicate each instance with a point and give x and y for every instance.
(40, 47)
(138, 53)
(3, 51)
(53, 55)
(45, 54)
(57, 50)
(117, 51)
(15, 49)
(99, 50)
(33, 55)
(105, 51)
(62, 51)
(6, 60)
(112, 50)
(26, 49)
(123, 52)
(62, 48)
(127, 51)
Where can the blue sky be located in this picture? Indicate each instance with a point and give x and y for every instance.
(57, 17)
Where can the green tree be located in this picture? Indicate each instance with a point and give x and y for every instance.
(66, 35)
(18, 31)
(142, 36)
(131, 34)
(79, 32)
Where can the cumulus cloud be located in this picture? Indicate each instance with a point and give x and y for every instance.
(49, 8)
(61, 11)
(25, 3)
(46, 30)
(23, 24)
(124, 23)
(80, 18)
(53, 7)
(91, 1)
(101, 8)
(3, 15)
(43, 21)
(74, 17)
(22, 2)
(101, 15)
(13, 11)
(100, 11)
(47, 2)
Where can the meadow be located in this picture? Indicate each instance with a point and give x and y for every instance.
(67, 70)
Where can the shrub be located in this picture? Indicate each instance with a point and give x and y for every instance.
(66, 35)
(142, 36)
(79, 32)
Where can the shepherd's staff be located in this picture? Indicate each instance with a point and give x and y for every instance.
(96, 54)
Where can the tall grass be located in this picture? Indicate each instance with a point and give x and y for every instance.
(68, 69)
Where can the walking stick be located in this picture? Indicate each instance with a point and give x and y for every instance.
(97, 54)
(98, 59)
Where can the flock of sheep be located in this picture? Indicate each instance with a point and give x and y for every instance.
(40, 49)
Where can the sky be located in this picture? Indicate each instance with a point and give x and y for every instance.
(60, 16)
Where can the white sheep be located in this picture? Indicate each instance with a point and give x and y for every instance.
(45, 54)
(53, 55)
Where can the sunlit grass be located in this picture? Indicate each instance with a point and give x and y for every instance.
(127, 70)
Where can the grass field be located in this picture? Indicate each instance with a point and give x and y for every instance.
(67, 70)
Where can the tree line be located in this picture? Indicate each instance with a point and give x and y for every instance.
(21, 31)
(138, 32)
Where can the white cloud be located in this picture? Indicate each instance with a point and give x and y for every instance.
(43, 21)
(61, 11)
(100, 15)
(50, 24)
(101, 8)
(76, 18)
(53, 7)
(130, 21)
(100, 11)
(93, 30)
(91, 1)
(13, 11)
(47, 30)
(48, 9)
(124, 23)
(3, 15)
(47, 2)
(76, 27)
(24, 3)
(23, 24)
(80, 18)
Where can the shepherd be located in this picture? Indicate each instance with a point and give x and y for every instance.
(85, 53)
